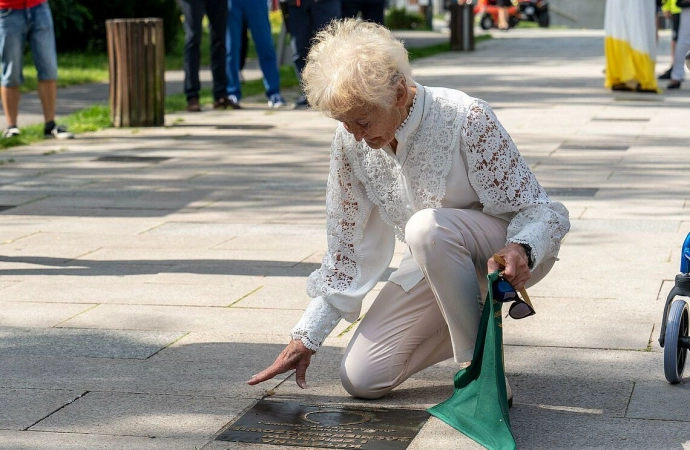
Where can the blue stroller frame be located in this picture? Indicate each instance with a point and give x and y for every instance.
(675, 324)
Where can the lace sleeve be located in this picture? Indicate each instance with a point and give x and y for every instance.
(507, 187)
(360, 248)
(346, 211)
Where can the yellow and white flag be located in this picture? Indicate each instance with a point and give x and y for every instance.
(630, 44)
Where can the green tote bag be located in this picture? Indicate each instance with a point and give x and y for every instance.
(479, 405)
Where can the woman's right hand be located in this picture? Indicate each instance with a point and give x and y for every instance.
(295, 356)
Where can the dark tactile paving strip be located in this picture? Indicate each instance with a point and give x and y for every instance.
(328, 426)
(605, 147)
(571, 192)
(132, 159)
(245, 126)
(620, 119)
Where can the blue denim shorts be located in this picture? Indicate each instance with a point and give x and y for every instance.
(16, 27)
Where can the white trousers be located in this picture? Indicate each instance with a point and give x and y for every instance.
(405, 332)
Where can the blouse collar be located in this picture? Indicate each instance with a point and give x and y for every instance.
(414, 117)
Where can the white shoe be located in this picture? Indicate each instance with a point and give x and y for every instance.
(11, 132)
(276, 101)
(58, 132)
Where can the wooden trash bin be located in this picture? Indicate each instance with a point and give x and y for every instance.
(136, 59)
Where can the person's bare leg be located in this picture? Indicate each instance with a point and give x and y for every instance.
(503, 18)
(47, 92)
(10, 103)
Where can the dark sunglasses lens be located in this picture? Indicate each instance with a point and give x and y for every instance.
(520, 310)
(503, 291)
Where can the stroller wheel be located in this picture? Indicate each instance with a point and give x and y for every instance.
(676, 340)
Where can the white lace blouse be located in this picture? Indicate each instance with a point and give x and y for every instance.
(452, 153)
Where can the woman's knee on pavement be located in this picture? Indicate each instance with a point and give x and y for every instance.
(361, 382)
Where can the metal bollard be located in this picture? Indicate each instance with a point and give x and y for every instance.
(462, 25)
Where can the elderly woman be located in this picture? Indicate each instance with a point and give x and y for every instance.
(434, 168)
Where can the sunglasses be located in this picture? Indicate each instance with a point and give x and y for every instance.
(504, 292)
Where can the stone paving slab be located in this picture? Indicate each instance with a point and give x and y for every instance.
(585, 323)
(145, 415)
(658, 401)
(180, 318)
(87, 290)
(35, 312)
(61, 342)
(73, 441)
(542, 429)
(221, 377)
(28, 406)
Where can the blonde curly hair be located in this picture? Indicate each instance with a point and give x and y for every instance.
(353, 64)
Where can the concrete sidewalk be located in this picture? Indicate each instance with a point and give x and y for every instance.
(148, 273)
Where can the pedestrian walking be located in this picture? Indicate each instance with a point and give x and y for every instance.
(32, 21)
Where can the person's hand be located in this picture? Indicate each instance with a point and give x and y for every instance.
(294, 356)
(667, 14)
(516, 270)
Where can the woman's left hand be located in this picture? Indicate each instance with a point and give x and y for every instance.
(516, 270)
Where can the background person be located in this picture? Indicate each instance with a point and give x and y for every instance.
(32, 20)
(503, 6)
(371, 10)
(672, 12)
(630, 45)
(682, 48)
(304, 19)
(435, 168)
(217, 13)
(255, 14)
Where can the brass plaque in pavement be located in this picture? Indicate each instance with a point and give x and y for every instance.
(344, 427)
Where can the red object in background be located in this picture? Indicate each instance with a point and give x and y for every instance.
(488, 13)
(527, 10)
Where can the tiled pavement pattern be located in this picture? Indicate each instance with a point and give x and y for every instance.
(138, 295)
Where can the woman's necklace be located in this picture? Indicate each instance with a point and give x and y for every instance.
(402, 125)
(404, 122)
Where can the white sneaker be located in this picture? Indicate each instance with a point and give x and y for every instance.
(59, 132)
(276, 101)
(11, 132)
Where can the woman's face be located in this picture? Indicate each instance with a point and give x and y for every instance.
(374, 124)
